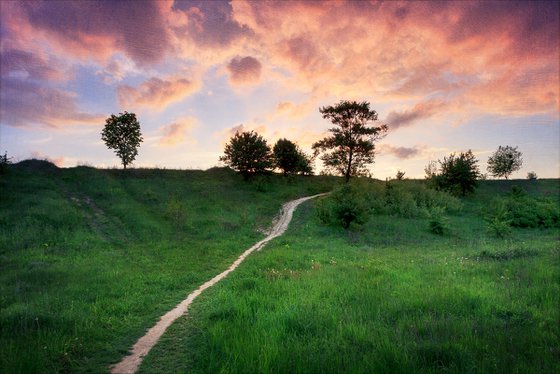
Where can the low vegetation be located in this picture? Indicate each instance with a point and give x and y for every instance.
(91, 258)
(389, 297)
(415, 282)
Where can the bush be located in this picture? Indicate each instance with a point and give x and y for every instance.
(526, 211)
(499, 222)
(4, 162)
(347, 205)
(532, 176)
(409, 199)
(438, 224)
(458, 174)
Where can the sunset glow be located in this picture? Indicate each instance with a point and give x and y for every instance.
(444, 76)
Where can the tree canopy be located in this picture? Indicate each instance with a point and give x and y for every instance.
(248, 153)
(351, 146)
(504, 161)
(290, 158)
(122, 133)
(459, 173)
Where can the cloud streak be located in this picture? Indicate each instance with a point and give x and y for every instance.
(400, 152)
(420, 111)
(156, 93)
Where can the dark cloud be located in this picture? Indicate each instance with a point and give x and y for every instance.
(136, 27)
(15, 62)
(408, 117)
(25, 103)
(301, 50)
(211, 23)
(244, 70)
(400, 152)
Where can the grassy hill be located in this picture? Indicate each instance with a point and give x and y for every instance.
(91, 258)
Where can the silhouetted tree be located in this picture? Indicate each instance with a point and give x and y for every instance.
(504, 161)
(458, 174)
(290, 158)
(122, 133)
(400, 175)
(248, 153)
(351, 146)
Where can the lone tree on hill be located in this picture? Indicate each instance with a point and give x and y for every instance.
(459, 174)
(122, 133)
(248, 153)
(504, 161)
(290, 158)
(351, 146)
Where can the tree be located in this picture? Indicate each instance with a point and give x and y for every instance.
(122, 133)
(504, 161)
(290, 158)
(458, 174)
(248, 153)
(351, 147)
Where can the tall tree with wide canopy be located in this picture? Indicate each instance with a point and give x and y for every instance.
(351, 146)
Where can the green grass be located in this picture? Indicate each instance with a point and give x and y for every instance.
(388, 298)
(89, 259)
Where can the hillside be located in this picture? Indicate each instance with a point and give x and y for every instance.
(91, 258)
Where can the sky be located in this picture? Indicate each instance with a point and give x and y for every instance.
(444, 76)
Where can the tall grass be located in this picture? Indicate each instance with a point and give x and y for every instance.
(389, 297)
(91, 258)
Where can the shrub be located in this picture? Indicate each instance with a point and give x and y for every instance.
(438, 224)
(410, 199)
(532, 176)
(499, 222)
(458, 174)
(347, 205)
(528, 212)
(4, 162)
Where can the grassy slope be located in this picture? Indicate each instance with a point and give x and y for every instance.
(79, 282)
(390, 298)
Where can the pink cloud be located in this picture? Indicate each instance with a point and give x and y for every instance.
(246, 70)
(211, 23)
(87, 29)
(475, 51)
(15, 62)
(176, 133)
(24, 104)
(156, 93)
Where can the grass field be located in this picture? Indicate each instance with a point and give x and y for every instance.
(90, 258)
(389, 298)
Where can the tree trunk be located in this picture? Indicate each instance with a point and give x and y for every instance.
(347, 174)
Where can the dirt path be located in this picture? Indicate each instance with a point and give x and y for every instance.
(131, 363)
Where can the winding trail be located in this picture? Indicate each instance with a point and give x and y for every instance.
(131, 362)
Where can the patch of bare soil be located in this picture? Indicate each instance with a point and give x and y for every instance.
(131, 362)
